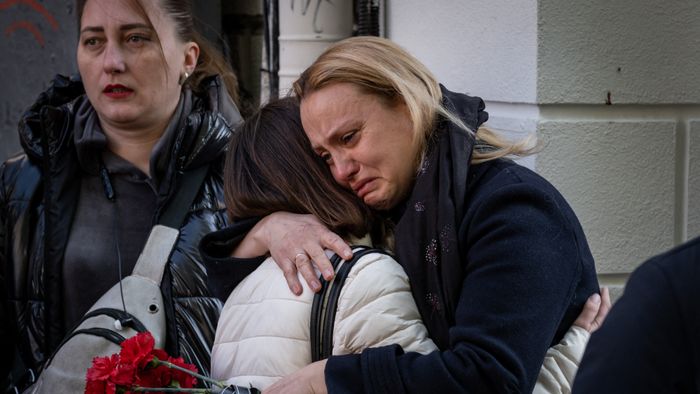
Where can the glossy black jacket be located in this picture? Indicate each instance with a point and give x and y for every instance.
(38, 197)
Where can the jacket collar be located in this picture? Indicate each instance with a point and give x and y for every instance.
(200, 138)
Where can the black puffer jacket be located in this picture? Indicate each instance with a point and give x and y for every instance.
(38, 199)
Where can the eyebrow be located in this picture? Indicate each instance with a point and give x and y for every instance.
(347, 125)
(130, 26)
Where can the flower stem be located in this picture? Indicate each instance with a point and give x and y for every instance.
(195, 374)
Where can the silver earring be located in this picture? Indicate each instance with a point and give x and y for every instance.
(183, 78)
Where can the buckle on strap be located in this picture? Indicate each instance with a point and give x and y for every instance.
(25, 380)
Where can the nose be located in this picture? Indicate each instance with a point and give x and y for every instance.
(344, 169)
(113, 61)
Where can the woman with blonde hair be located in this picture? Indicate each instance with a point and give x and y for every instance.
(264, 332)
(498, 263)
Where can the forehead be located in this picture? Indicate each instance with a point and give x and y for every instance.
(333, 103)
(337, 92)
(333, 107)
(104, 13)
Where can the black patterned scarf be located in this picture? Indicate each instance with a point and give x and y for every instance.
(426, 234)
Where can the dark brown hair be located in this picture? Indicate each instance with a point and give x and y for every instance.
(211, 61)
(270, 166)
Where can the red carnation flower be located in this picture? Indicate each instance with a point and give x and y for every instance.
(124, 375)
(139, 365)
(158, 376)
(137, 350)
(95, 387)
(102, 368)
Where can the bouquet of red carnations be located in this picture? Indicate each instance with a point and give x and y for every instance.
(138, 367)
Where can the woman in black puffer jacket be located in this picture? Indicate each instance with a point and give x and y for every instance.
(152, 102)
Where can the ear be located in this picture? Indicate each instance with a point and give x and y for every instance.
(191, 56)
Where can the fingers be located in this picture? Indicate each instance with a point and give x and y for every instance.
(332, 241)
(303, 265)
(605, 305)
(310, 379)
(299, 243)
(320, 260)
(328, 240)
(594, 311)
(588, 314)
(290, 274)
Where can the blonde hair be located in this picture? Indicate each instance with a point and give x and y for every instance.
(380, 67)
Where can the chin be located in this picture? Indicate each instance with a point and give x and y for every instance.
(119, 117)
(380, 200)
(380, 204)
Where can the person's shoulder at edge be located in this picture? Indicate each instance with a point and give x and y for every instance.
(653, 320)
(686, 254)
(676, 271)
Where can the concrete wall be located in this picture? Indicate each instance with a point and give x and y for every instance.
(641, 51)
(617, 89)
(38, 41)
(610, 88)
(486, 48)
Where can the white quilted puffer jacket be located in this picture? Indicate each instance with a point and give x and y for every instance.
(263, 331)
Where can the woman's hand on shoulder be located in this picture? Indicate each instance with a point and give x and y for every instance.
(308, 380)
(594, 311)
(296, 243)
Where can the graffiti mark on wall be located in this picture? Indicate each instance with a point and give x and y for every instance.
(305, 8)
(29, 26)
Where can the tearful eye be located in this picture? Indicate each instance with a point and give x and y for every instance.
(348, 137)
(137, 39)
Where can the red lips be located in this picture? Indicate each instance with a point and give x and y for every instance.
(117, 91)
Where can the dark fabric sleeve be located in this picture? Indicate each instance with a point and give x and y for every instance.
(7, 341)
(643, 346)
(522, 264)
(225, 272)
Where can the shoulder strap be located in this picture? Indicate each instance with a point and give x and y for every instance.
(325, 304)
(154, 256)
(178, 207)
(160, 243)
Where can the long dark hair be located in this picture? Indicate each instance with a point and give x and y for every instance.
(270, 166)
(210, 62)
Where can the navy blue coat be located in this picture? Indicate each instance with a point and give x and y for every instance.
(650, 341)
(528, 272)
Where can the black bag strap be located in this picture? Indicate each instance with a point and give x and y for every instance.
(179, 205)
(325, 303)
(115, 314)
(318, 313)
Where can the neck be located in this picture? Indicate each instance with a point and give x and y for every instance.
(134, 146)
